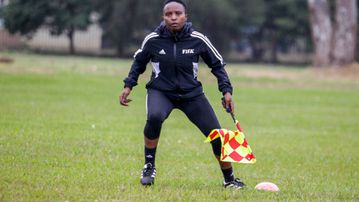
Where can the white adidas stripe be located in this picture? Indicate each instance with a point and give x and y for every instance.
(209, 44)
(148, 37)
(137, 52)
(146, 104)
(205, 38)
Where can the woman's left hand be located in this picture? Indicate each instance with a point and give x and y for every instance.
(228, 103)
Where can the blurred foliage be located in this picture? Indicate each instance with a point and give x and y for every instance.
(281, 22)
(277, 23)
(126, 22)
(265, 27)
(25, 16)
(216, 20)
(60, 16)
(357, 50)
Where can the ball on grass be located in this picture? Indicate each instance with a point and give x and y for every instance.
(267, 186)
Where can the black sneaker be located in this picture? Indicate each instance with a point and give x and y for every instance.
(235, 184)
(148, 174)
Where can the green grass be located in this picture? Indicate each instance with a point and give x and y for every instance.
(64, 137)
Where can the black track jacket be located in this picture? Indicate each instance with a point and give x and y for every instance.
(174, 59)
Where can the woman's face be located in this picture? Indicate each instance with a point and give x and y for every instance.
(174, 15)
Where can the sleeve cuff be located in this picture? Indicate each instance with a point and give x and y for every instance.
(128, 86)
(227, 90)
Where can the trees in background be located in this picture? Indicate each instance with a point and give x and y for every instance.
(126, 22)
(61, 16)
(271, 26)
(268, 26)
(25, 16)
(357, 50)
(264, 27)
(334, 40)
(216, 20)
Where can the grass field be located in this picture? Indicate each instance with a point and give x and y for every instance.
(64, 137)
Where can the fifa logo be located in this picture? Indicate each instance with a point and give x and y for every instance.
(187, 51)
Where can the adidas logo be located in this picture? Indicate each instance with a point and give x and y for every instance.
(162, 52)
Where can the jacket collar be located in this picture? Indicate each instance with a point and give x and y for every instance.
(165, 33)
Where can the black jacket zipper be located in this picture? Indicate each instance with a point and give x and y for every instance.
(175, 62)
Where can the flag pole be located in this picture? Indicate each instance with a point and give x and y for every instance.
(232, 115)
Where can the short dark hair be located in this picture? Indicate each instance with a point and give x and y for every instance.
(178, 1)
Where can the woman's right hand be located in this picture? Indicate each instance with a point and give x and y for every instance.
(123, 96)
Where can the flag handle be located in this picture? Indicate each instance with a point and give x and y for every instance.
(228, 110)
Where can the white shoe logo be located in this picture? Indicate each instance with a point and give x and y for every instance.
(162, 52)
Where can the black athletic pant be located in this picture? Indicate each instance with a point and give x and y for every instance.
(197, 109)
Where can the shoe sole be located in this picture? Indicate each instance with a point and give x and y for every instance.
(148, 183)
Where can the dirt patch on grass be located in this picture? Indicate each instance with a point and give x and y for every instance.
(6, 60)
(348, 72)
(345, 73)
(343, 78)
(267, 73)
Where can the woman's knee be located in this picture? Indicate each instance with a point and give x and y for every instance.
(153, 126)
(156, 118)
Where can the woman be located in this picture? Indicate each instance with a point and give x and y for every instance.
(174, 49)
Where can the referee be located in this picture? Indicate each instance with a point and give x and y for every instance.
(173, 50)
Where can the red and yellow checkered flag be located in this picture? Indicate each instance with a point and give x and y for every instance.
(235, 147)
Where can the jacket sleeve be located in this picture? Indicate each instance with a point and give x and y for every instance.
(215, 61)
(141, 58)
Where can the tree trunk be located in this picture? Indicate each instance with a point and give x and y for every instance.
(70, 35)
(273, 47)
(345, 33)
(256, 42)
(125, 37)
(321, 28)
